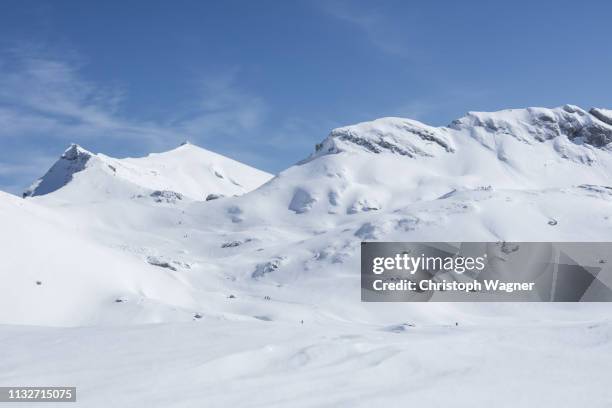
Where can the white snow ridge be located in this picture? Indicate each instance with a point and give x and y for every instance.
(188, 170)
(254, 280)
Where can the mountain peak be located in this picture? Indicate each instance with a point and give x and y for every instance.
(405, 137)
(73, 160)
(74, 151)
(187, 169)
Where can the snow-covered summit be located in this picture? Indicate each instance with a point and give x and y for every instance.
(404, 137)
(187, 170)
(74, 152)
(412, 138)
(372, 164)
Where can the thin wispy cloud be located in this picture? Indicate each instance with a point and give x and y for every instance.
(221, 108)
(40, 93)
(377, 27)
(44, 95)
(31, 165)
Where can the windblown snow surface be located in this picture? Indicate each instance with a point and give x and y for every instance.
(122, 279)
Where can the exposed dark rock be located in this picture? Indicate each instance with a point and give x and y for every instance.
(266, 268)
(599, 114)
(166, 196)
(233, 244)
(158, 262)
(211, 197)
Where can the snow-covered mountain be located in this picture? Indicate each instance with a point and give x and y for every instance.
(188, 170)
(524, 174)
(103, 241)
(477, 168)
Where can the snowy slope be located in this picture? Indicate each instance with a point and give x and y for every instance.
(52, 273)
(188, 170)
(260, 293)
(278, 365)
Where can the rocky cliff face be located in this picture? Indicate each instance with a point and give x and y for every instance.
(73, 160)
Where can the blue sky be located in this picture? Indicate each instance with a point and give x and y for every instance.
(263, 81)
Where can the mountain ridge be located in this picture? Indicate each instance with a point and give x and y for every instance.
(188, 170)
(570, 129)
(593, 127)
